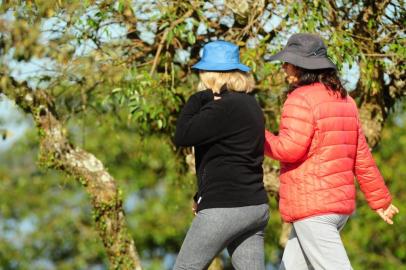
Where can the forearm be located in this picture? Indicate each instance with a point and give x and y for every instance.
(207, 125)
(369, 177)
(192, 108)
(295, 134)
(284, 148)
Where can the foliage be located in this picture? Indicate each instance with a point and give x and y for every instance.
(118, 73)
(45, 218)
(371, 243)
(53, 215)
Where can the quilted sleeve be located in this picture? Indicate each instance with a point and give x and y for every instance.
(295, 131)
(368, 176)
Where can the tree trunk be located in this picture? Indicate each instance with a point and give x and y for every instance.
(58, 153)
(373, 109)
(375, 97)
(271, 183)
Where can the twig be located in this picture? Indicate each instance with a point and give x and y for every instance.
(161, 43)
(381, 54)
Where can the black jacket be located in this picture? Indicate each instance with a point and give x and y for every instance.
(228, 136)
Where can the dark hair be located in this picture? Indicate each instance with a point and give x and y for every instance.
(327, 76)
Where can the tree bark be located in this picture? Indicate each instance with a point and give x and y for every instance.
(58, 153)
(375, 97)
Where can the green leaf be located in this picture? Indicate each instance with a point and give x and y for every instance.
(191, 38)
(116, 90)
(92, 23)
(160, 123)
(120, 7)
(170, 36)
(164, 25)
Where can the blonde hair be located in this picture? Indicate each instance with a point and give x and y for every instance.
(235, 81)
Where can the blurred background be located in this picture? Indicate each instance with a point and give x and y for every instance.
(111, 76)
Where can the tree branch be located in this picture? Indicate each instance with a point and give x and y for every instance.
(165, 35)
(58, 153)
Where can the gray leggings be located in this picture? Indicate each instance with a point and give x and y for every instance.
(315, 243)
(239, 229)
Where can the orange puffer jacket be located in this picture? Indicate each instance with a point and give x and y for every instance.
(321, 147)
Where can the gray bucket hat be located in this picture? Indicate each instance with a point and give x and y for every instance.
(306, 51)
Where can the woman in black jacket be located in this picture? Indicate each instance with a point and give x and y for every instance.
(225, 124)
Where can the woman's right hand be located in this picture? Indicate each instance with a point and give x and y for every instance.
(204, 96)
(388, 213)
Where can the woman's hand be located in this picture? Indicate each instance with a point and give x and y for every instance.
(388, 213)
(194, 208)
(205, 96)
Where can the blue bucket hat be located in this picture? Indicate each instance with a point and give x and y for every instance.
(220, 56)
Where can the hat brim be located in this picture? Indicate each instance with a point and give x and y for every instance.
(202, 65)
(303, 62)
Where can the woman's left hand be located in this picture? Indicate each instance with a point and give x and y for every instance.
(194, 208)
(388, 213)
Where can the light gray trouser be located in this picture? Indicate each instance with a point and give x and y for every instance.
(239, 229)
(315, 243)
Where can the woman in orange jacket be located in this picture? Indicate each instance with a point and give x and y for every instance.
(321, 148)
